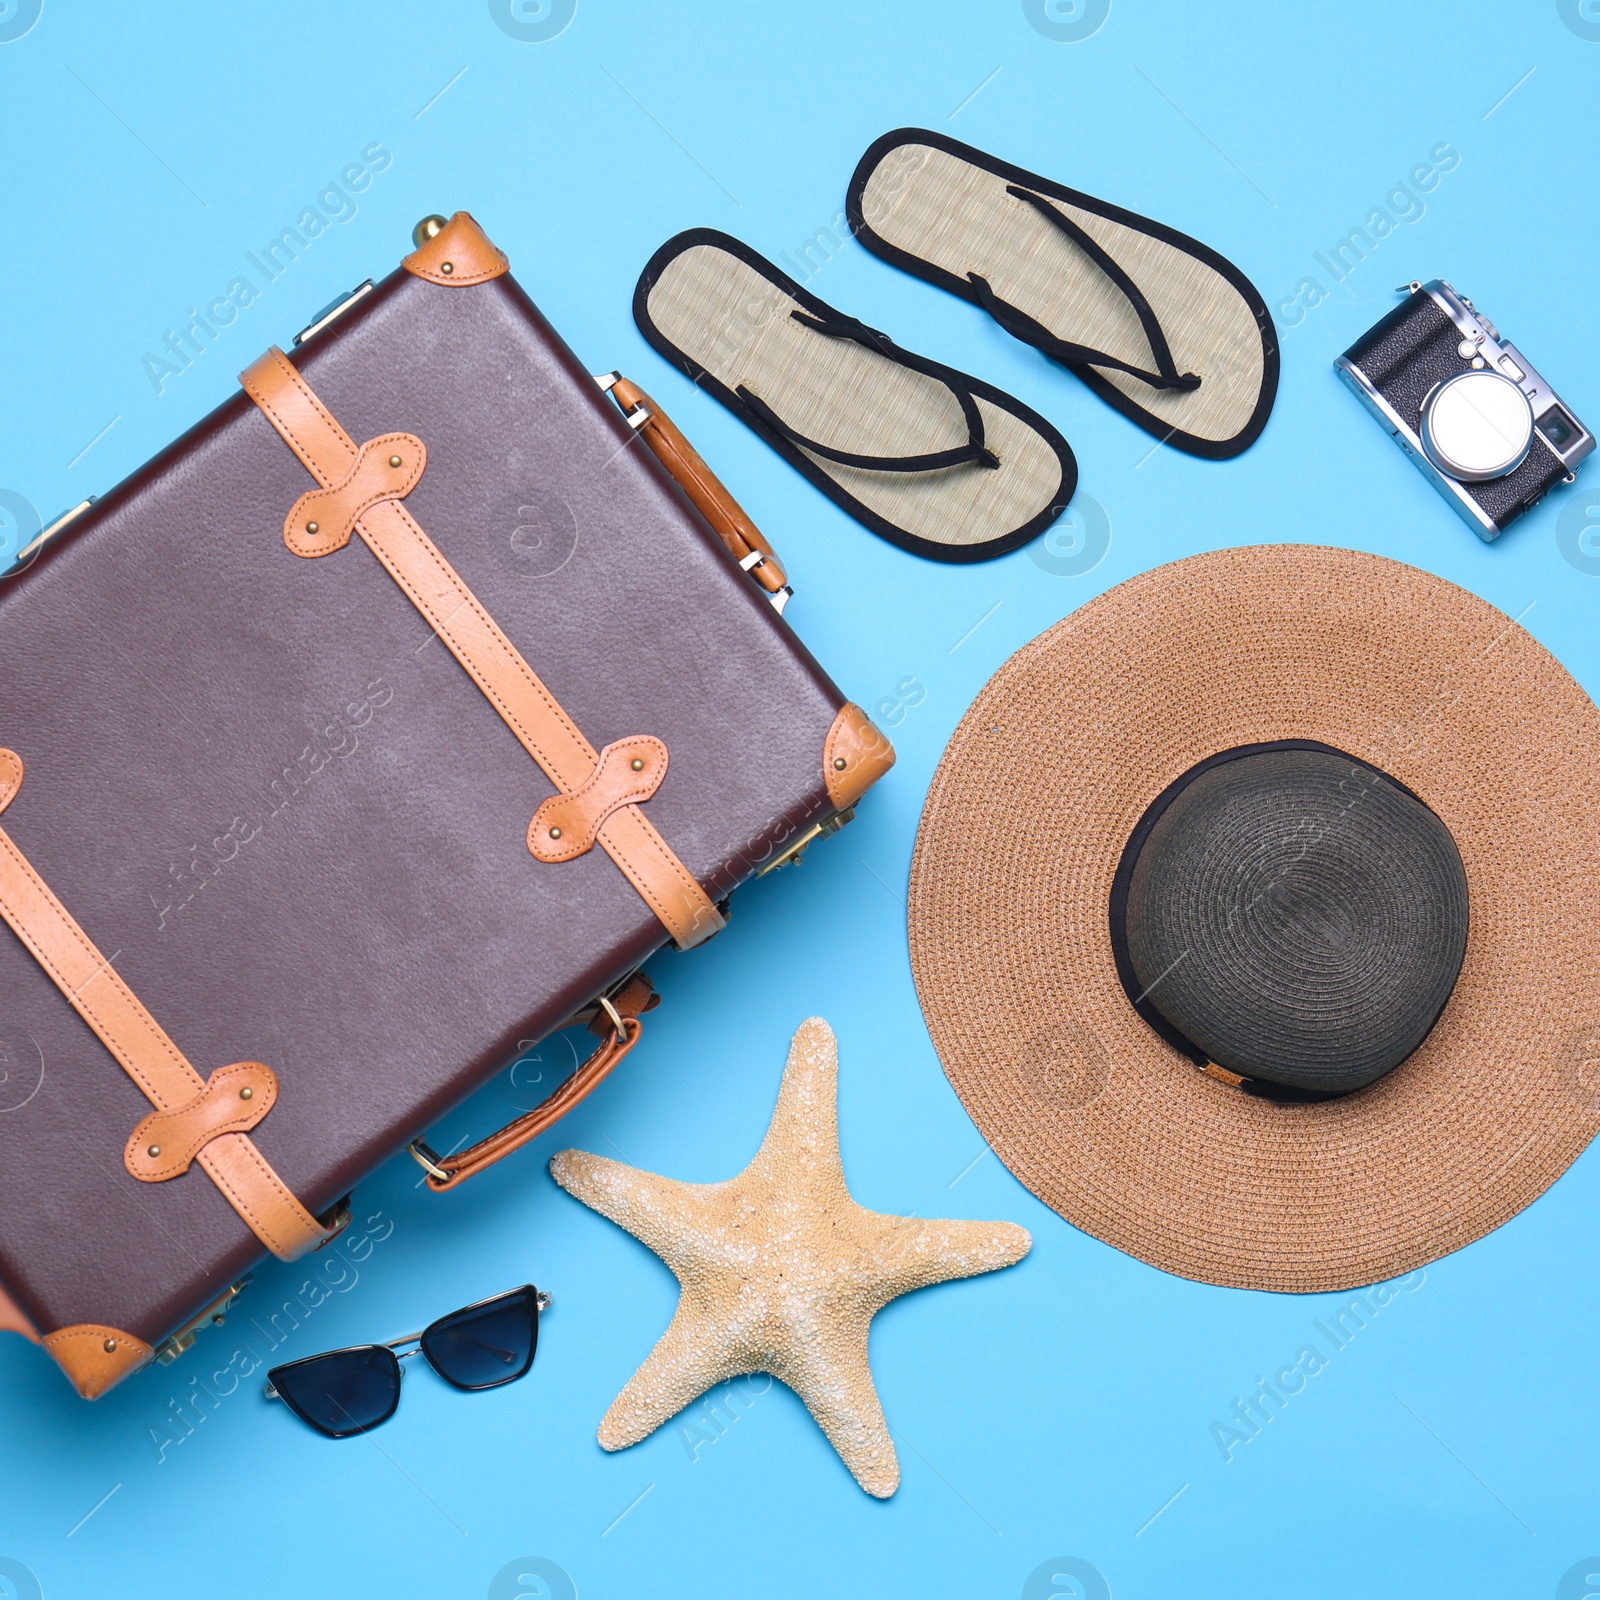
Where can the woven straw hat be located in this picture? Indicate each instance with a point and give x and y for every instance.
(1080, 823)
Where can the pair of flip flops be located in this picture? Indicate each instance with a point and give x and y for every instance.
(932, 459)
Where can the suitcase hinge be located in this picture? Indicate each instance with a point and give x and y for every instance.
(334, 308)
(43, 537)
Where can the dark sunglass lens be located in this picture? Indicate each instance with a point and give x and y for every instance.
(344, 1392)
(485, 1345)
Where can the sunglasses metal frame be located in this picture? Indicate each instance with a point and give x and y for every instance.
(541, 1302)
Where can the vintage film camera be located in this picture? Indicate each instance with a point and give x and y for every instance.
(1468, 408)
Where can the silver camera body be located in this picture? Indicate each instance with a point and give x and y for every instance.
(1468, 408)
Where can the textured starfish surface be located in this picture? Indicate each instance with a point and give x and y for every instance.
(780, 1270)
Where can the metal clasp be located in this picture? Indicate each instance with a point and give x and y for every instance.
(429, 1161)
(216, 1313)
(820, 830)
(639, 415)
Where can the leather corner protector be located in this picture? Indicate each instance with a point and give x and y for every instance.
(10, 777)
(234, 1100)
(386, 468)
(96, 1358)
(457, 255)
(854, 757)
(567, 825)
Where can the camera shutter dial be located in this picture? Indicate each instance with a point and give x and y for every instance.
(1476, 426)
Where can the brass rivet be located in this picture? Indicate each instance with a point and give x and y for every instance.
(839, 763)
(555, 833)
(110, 1346)
(637, 764)
(153, 1151)
(312, 527)
(447, 267)
(428, 228)
(394, 461)
(247, 1093)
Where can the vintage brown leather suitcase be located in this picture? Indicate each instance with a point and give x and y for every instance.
(392, 716)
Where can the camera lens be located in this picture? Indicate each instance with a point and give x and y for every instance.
(1477, 425)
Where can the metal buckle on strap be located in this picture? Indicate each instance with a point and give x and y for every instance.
(429, 1161)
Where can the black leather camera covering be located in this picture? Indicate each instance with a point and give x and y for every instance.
(1404, 356)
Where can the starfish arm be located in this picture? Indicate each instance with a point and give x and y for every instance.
(684, 1364)
(651, 1208)
(834, 1380)
(805, 1122)
(912, 1253)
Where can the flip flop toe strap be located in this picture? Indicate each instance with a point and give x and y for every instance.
(1021, 326)
(973, 452)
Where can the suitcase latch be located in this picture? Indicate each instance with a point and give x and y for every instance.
(216, 1314)
(819, 830)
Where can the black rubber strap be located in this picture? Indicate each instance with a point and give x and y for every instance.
(1021, 326)
(974, 451)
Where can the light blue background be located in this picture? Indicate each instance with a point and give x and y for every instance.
(1047, 1411)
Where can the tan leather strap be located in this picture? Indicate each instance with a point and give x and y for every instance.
(387, 468)
(234, 1100)
(706, 491)
(621, 1018)
(567, 825)
(512, 687)
(99, 995)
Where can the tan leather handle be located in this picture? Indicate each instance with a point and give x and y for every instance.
(622, 1013)
(706, 492)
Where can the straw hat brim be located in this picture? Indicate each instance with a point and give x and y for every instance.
(1027, 816)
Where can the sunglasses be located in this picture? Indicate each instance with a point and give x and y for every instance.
(482, 1346)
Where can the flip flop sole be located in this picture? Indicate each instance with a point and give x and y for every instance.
(939, 209)
(722, 315)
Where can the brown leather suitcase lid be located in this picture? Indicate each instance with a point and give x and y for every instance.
(293, 824)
